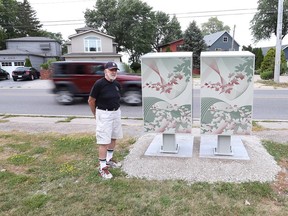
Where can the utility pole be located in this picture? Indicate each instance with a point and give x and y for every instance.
(232, 46)
(278, 42)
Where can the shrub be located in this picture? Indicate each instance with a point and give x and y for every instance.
(268, 63)
(47, 64)
(136, 67)
(266, 75)
(28, 63)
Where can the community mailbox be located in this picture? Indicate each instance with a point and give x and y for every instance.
(167, 95)
(226, 96)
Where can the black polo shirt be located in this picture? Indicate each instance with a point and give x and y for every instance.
(106, 93)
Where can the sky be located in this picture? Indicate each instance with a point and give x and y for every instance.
(66, 15)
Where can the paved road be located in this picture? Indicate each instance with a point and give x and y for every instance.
(35, 97)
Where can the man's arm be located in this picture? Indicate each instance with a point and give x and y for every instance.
(92, 105)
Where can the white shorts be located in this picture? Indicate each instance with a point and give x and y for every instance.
(108, 126)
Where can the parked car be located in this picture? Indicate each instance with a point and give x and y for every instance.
(23, 73)
(75, 79)
(4, 74)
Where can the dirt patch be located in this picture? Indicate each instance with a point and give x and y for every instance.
(280, 185)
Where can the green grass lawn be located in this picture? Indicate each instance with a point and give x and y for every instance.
(53, 174)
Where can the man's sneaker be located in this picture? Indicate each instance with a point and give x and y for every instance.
(104, 173)
(113, 164)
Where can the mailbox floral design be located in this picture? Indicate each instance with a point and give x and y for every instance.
(226, 92)
(167, 92)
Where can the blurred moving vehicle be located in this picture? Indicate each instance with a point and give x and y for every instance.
(75, 79)
(25, 73)
(4, 74)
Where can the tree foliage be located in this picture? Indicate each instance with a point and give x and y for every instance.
(129, 21)
(264, 22)
(166, 30)
(258, 55)
(28, 62)
(18, 19)
(268, 63)
(213, 25)
(173, 31)
(136, 28)
(193, 41)
(28, 23)
(161, 21)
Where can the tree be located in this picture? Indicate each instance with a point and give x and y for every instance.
(18, 19)
(28, 62)
(193, 41)
(161, 21)
(3, 37)
(129, 21)
(173, 31)
(213, 25)
(165, 30)
(258, 55)
(264, 22)
(268, 63)
(8, 17)
(28, 23)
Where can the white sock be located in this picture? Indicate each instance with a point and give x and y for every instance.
(109, 154)
(102, 163)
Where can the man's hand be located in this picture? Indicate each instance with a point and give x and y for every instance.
(92, 105)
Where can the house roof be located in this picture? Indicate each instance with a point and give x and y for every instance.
(209, 39)
(212, 38)
(84, 31)
(172, 42)
(18, 52)
(38, 39)
(110, 54)
(265, 49)
(85, 28)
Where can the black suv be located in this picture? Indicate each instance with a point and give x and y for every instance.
(74, 79)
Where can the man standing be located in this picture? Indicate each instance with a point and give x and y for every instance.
(104, 102)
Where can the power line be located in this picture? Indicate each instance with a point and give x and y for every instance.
(59, 2)
(214, 11)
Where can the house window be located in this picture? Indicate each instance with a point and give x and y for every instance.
(180, 47)
(218, 49)
(93, 44)
(225, 39)
(18, 63)
(45, 46)
(6, 64)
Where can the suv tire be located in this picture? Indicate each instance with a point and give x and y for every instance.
(64, 97)
(132, 97)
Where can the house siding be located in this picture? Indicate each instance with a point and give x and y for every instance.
(224, 46)
(218, 43)
(34, 47)
(77, 43)
(37, 49)
(76, 47)
(35, 60)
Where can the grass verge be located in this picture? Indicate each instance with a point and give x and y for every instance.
(53, 174)
(274, 84)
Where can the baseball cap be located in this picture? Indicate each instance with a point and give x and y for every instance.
(111, 65)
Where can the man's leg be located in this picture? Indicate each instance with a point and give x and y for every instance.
(103, 170)
(110, 150)
(109, 158)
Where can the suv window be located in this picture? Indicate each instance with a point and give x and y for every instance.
(78, 68)
(99, 69)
